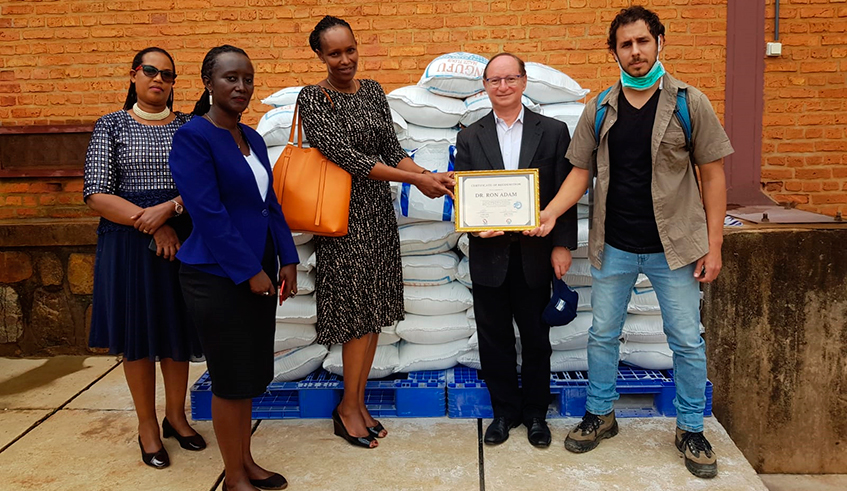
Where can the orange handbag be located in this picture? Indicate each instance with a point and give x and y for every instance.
(314, 193)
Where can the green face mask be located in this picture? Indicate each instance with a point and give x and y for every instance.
(644, 82)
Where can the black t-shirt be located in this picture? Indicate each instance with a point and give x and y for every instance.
(630, 221)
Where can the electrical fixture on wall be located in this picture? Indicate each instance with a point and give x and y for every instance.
(775, 48)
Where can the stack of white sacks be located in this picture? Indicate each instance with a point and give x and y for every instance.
(439, 324)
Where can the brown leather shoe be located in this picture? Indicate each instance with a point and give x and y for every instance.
(700, 459)
(590, 431)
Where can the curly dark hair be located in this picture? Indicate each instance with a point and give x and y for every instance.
(202, 106)
(328, 22)
(635, 14)
(131, 94)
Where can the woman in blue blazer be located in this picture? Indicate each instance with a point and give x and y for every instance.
(238, 249)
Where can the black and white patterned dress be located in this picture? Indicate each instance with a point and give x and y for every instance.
(359, 276)
(137, 306)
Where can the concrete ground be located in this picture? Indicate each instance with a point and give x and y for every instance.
(67, 423)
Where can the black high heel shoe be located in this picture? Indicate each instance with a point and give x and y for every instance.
(156, 460)
(376, 430)
(341, 430)
(276, 481)
(194, 442)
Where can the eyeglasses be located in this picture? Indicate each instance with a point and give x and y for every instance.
(511, 80)
(168, 76)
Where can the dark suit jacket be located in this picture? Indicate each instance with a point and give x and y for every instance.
(231, 221)
(543, 145)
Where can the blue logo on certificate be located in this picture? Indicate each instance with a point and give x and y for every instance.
(518, 205)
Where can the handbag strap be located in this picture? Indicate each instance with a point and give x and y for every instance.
(297, 121)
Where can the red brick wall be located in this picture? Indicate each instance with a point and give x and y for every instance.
(804, 150)
(66, 62)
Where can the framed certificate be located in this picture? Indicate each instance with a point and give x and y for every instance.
(497, 200)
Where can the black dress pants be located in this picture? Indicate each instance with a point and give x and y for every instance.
(494, 309)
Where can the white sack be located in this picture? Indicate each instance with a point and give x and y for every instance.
(305, 282)
(304, 252)
(434, 329)
(416, 357)
(646, 329)
(400, 124)
(273, 155)
(301, 238)
(430, 270)
(299, 309)
(275, 126)
(465, 245)
(427, 238)
(569, 360)
(581, 239)
(417, 136)
(546, 85)
(385, 362)
(418, 106)
(463, 273)
(651, 356)
(584, 302)
(403, 220)
(295, 364)
(289, 335)
(470, 359)
(437, 300)
(388, 335)
(568, 113)
(454, 75)
(411, 202)
(643, 301)
(572, 336)
(283, 97)
(579, 273)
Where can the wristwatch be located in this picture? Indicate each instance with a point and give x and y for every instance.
(178, 209)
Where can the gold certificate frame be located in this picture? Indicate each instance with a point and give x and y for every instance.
(505, 200)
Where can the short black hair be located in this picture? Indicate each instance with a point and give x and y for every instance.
(521, 64)
(328, 22)
(635, 14)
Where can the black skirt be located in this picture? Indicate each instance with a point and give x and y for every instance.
(236, 328)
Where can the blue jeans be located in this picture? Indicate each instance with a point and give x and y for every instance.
(679, 298)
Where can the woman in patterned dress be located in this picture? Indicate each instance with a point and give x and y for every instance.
(359, 276)
(138, 310)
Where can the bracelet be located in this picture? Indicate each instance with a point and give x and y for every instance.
(425, 171)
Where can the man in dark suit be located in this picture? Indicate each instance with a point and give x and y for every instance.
(512, 272)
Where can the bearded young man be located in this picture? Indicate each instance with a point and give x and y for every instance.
(648, 218)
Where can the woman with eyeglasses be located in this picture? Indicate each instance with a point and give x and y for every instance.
(138, 309)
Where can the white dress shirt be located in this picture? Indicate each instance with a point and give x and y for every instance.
(509, 138)
(262, 180)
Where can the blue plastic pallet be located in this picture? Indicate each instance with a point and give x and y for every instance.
(467, 394)
(416, 394)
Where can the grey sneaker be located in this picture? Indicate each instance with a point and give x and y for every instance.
(588, 433)
(700, 459)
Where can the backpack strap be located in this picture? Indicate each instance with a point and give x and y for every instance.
(683, 115)
(600, 116)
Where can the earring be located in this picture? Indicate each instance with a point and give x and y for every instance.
(211, 102)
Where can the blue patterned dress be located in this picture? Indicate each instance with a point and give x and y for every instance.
(138, 309)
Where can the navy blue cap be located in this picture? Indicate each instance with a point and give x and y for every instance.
(562, 307)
